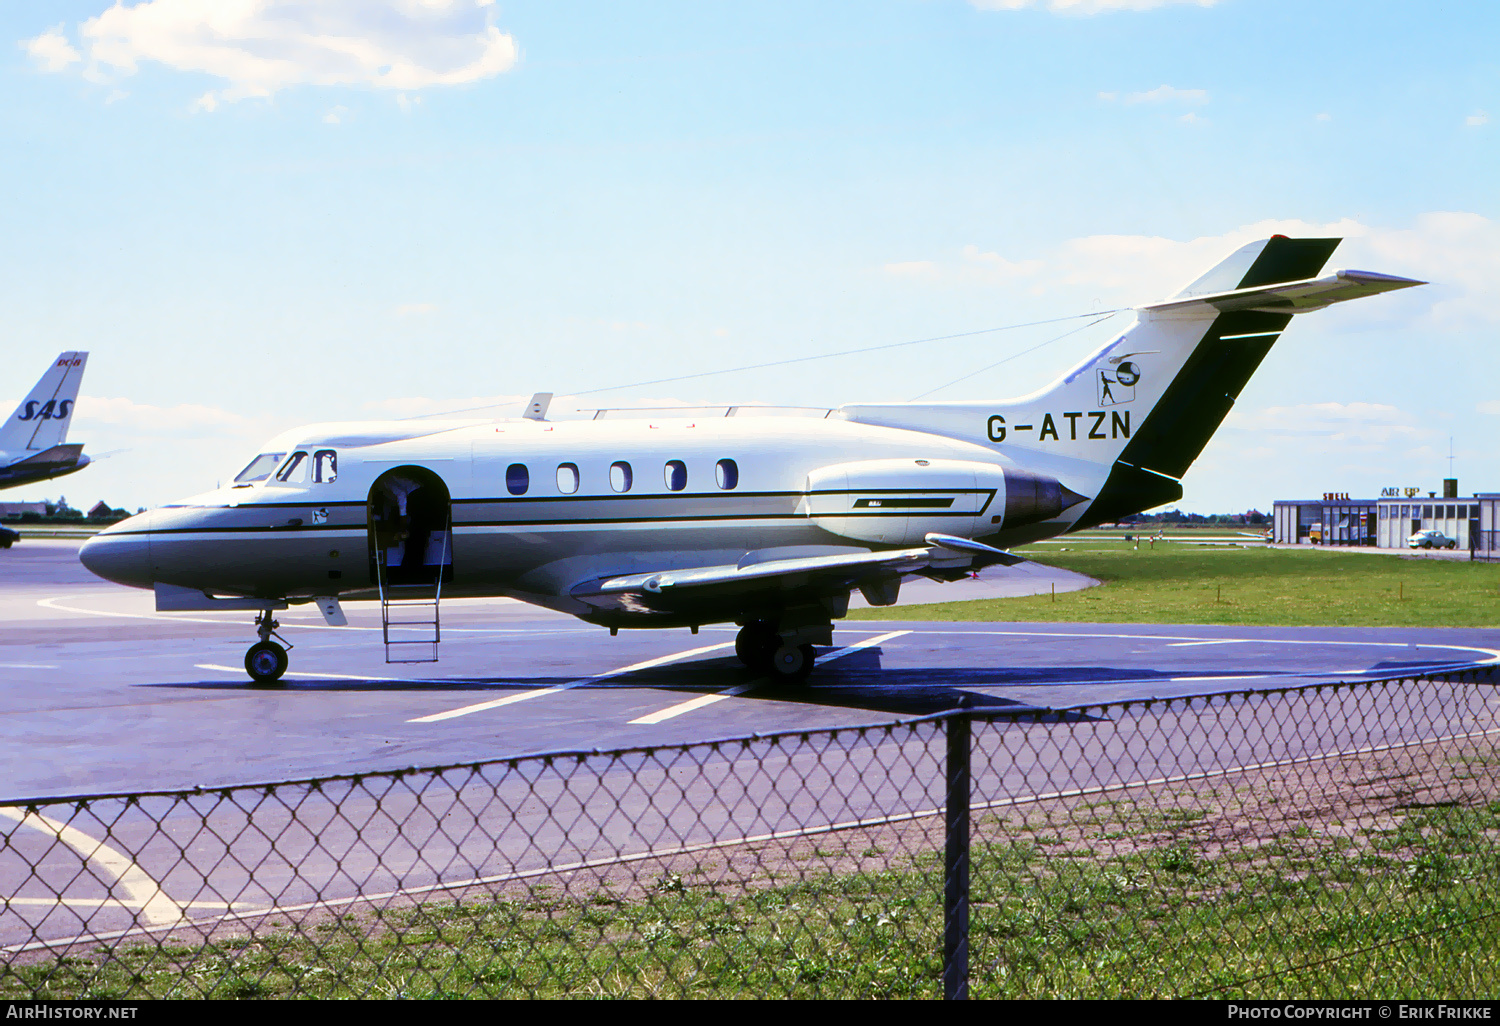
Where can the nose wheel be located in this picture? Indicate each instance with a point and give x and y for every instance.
(266, 661)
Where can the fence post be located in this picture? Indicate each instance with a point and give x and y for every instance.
(956, 863)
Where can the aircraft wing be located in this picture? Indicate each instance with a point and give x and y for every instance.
(678, 591)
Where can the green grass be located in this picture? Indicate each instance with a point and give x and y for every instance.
(1405, 910)
(1186, 583)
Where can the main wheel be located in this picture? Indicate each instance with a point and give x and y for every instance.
(755, 644)
(792, 662)
(265, 662)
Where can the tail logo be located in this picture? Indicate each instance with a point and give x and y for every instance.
(1118, 386)
(52, 409)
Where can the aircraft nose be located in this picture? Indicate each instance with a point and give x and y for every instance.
(121, 558)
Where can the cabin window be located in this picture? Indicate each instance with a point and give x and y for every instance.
(676, 474)
(325, 466)
(517, 479)
(567, 478)
(295, 469)
(259, 469)
(620, 477)
(726, 474)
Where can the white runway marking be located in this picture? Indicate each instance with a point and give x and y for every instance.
(522, 696)
(672, 711)
(28, 666)
(292, 618)
(145, 894)
(1217, 641)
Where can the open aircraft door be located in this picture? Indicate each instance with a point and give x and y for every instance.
(410, 537)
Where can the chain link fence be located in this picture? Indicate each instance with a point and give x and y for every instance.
(1321, 841)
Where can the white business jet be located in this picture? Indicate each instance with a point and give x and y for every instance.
(766, 522)
(32, 446)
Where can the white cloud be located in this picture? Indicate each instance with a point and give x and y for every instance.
(52, 50)
(1169, 94)
(1323, 117)
(1489, 406)
(995, 266)
(1192, 118)
(1476, 119)
(1340, 427)
(1084, 6)
(259, 47)
(408, 309)
(336, 115)
(185, 420)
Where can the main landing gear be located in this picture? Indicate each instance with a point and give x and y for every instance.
(762, 647)
(266, 661)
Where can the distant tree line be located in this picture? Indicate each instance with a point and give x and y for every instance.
(61, 512)
(1252, 517)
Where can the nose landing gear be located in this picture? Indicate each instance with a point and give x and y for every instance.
(266, 661)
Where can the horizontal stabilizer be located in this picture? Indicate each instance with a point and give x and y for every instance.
(1290, 297)
(57, 454)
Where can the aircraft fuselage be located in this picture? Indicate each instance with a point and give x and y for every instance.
(678, 509)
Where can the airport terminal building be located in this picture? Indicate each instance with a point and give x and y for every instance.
(1473, 523)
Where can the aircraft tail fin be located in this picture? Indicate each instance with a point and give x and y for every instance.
(1145, 405)
(42, 419)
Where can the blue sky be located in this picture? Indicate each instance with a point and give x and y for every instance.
(260, 214)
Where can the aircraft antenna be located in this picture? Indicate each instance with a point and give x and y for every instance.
(1098, 315)
(1014, 356)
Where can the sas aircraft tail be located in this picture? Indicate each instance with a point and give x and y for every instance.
(1134, 415)
(41, 421)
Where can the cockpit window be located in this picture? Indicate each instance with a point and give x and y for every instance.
(258, 469)
(325, 466)
(295, 469)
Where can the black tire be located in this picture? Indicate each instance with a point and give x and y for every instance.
(792, 663)
(265, 662)
(755, 644)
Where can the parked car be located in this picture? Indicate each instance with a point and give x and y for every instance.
(8, 537)
(1431, 538)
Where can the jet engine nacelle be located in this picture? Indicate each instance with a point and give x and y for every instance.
(898, 502)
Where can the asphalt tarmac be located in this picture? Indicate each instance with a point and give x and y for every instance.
(103, 694)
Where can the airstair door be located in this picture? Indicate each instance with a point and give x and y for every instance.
(410, 518)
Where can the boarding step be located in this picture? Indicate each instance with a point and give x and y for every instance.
(412, 629)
